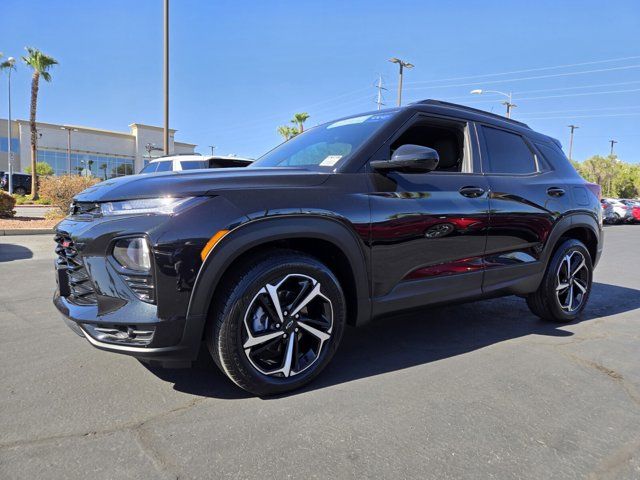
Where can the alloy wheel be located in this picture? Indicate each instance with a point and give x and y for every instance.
(286, 326)
(572, 281)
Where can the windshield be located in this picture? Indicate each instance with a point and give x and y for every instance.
(326, 146)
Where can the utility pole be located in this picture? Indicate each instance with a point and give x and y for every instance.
(212, 147)
(572, 127)
(509, 102)
(612, 142)
(380, 88)
(402, 65)
(166, 77)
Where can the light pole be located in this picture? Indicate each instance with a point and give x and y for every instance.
(212, 147)
(612, 142)
(166, 77)
(69, 130)
(402, 65)
(572, 127)
(9, 64)
(509, 104)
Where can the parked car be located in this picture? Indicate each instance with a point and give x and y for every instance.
(21, 183)
(608, 215)
(635, 213)
(177, 163)
(349, 221)
(621, 212)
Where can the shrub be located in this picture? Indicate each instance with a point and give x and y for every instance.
(42, 169)
(59, 191)
(7, 202)
(20, 199)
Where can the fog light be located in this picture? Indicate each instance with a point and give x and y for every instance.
(133, 253)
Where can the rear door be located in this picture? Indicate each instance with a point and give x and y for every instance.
(527, 198)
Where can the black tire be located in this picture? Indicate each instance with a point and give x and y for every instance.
(20, 191)
(617, 219)
(551, 301)
(244, 294)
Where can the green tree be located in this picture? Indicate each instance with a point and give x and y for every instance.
(42, 169)
(103, 167)
(40, 64)
(299, 119)
(287, 132)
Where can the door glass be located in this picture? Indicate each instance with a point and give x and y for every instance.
(508, 153)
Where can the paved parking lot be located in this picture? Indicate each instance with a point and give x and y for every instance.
(482, 390)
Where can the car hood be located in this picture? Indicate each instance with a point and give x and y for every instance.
(199, 182)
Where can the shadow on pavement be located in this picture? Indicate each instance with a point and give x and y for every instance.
(416, 338)
(10, 252)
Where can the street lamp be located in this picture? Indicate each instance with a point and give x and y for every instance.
(166, 78)
(212, 147)
(9, 64)
(573, 128)
(612, 142)
(69, 130)
(402, 65)
(508, 102)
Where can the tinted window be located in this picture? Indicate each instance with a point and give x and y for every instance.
(191, 165)
(165, 166)
(507, 152)
(552, 154)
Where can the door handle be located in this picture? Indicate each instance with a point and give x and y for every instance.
(555, 191)
(471, 192)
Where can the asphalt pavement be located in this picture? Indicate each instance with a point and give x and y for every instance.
(480, 390)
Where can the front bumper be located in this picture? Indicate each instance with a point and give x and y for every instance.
(172, 343)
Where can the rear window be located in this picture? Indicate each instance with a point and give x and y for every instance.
(508, 153)
(191, 165)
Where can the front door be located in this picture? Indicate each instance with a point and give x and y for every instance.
(428, 230)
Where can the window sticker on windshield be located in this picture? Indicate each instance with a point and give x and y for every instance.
(330, 160)
(349, 121)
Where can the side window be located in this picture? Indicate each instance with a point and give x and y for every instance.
(508, 153)
(552, 154)
(445, 137)
(165, 166)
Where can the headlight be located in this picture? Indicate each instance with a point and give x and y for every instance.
(133, 253)
(162, 206)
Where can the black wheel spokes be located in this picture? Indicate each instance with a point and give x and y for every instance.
(572, 281)
(299, 322)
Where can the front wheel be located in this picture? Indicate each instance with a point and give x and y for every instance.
(277, 322)
(566, 285)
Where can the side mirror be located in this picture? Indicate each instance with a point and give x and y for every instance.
(410, 159)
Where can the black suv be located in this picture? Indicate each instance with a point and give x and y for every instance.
(351, 220)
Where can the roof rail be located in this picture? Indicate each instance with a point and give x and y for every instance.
(470, 109)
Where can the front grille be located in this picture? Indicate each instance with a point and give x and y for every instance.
(81, 291)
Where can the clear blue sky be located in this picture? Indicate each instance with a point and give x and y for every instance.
(240, 69)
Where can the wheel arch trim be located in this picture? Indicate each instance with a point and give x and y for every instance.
(266, 230)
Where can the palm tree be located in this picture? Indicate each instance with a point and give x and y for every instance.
(287, 132)
(103, 167)
(40, 63)
(299, 119)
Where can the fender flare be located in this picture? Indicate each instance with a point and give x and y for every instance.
(568, 222)
(257, 232)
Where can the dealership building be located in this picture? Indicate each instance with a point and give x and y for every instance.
(79, 150)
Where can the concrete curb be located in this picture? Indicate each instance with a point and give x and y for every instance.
(26, 231)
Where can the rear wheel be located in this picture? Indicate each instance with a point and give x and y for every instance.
(278, 322)
(565, 288)
(20, 191)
